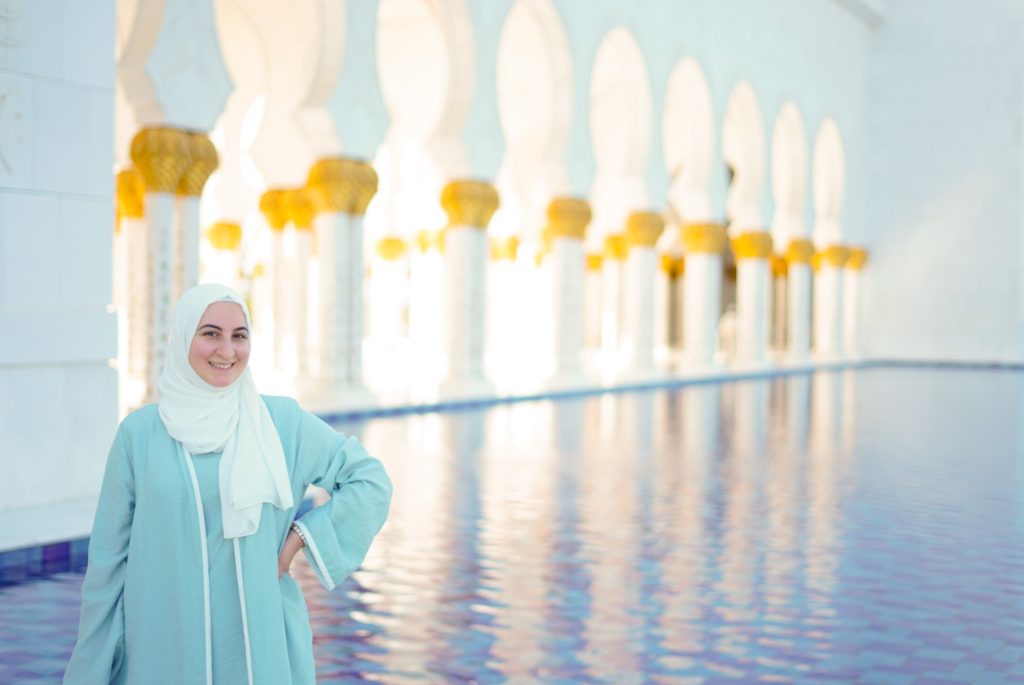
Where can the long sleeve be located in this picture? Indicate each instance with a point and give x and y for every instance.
(339, 532)
(99, 651)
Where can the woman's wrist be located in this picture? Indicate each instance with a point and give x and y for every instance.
(298, 532)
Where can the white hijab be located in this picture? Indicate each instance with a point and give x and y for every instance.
(204, 418)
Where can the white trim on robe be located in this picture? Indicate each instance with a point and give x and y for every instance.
(241, 602)
(206, 563)
(316, 555)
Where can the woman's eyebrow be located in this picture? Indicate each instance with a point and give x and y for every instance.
(242, 328)
(210, 325)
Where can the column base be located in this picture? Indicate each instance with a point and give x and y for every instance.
(465, 389)
(640, 375)
(338, 397)
(564, 380)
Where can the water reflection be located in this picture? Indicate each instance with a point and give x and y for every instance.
(790, 530)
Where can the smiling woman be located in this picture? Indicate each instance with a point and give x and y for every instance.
(220, 348)
(195, 529)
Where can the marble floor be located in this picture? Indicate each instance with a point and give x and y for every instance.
(858, 526)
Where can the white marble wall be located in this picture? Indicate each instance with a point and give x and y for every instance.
(58, 394)
(945, 279)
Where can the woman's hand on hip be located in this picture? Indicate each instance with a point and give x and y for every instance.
(292, 545)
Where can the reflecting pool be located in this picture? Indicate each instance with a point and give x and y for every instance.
(855, 526)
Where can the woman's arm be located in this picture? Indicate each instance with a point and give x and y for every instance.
(99, 651)
(338, 533)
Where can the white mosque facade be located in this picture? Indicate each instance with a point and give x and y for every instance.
(445, 199)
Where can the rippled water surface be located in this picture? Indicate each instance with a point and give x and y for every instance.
(842, 527)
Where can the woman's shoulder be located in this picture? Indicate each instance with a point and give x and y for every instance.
(144, 418)
(281, 408)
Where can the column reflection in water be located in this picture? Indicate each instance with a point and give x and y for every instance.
(460, 632)
(739, 557)
(567, 580)
(784, 504)
(823, 536)
(688, 560)
(651, 539)
(608, 509)
(519, 508)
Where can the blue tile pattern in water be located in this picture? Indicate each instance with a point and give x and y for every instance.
(864, 526)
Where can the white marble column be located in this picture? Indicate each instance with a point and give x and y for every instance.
(130, 285)
(226, 238)
(592, 301)
(798, 305)
(828, 303)
(426, 293)
(301, 207)
(752, 250)
(642, 232)
(703, 297)
(162, 155)
(469, 206)
(567, 224)
(852, 271)
(343, 188)
(613, 269)
(778, 306)
(202, 162)
(274, 207)
(504, 355)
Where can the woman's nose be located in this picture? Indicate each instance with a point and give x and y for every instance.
(226, 348)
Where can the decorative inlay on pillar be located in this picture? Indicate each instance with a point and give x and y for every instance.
(703, 244)
(469, 206)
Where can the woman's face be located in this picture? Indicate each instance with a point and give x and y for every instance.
(220, 347)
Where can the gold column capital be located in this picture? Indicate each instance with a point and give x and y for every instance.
(274, 206)
(615, 247)
(203, 161)
(225, 235)
(835, 255)
(342, 185)
(162, 155)
(469, 203)
(858, 258)
(391, 248)
(799, 251)
(300, 203)
(752, 245)
(594, 261)
(505, 248)
(643, 229)
(673, 266)
(426, 240)
(131, 194)
(706, 238)
(780, 266)
(568, 217)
